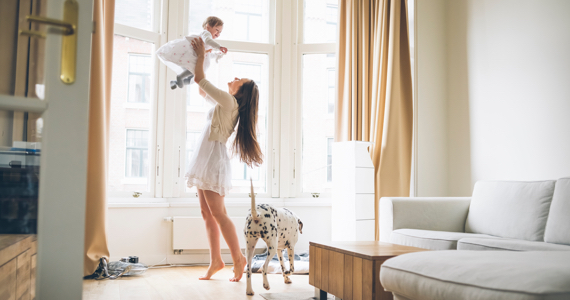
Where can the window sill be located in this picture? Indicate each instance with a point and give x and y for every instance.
(234, 202)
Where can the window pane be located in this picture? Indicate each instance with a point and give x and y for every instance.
(318, 128)
(242, 65)
(135, 13)
(320, 21)
(131, 100)
(244, 20)
(139, 78)
(137, 153)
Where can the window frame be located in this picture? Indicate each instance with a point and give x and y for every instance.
(157, 37)
(302, 49)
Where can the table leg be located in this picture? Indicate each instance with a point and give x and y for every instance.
(320, 294)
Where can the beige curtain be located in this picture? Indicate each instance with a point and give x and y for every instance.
(375, 89)
(99, 105)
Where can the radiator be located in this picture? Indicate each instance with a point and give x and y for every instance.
(189, 233)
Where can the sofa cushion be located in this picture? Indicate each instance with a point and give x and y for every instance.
(508, 244)
(511, 209)
(430, 239)
(442, 275)
(558, 224)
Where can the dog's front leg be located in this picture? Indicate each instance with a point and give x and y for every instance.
(249, 252)
(282, 262)
(271, 252)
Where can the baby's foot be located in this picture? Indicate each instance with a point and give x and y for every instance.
(239, 266)
(212, 269)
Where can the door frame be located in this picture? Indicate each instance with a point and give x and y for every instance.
(63, 169)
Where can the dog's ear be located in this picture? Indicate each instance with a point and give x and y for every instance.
(300, 226)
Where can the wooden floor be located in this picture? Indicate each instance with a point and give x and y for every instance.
(182, 283)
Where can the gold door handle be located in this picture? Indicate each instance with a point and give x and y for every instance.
(69, 39)
(31, 33)
(69, 28)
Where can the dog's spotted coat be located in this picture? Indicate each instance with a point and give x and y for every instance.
(279, 228)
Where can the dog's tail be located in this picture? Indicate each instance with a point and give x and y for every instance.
(254, 214)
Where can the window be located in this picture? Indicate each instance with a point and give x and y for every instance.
(317, 94)
(191, 143)
(136, 13)
(286, 47)
(332, 12)
(320, 21)
(331, 89)
(196, 101)
(137, 153)
(132, 131)
(244, 20)
(317, 122)
(251, 17)
(139, 78)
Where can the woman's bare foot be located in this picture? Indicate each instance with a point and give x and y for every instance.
(212, 269)
(239, 266)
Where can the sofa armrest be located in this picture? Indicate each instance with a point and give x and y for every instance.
(426, 213)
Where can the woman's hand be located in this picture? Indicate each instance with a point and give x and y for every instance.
(198, 46)
(224, 50)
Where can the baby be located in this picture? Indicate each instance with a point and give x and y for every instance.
(179, 55)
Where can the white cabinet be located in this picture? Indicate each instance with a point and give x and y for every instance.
(353, 192)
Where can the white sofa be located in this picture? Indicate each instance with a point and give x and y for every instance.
(531, 219)
(501, 215)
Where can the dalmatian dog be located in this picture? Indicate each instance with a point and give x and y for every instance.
(279, 228)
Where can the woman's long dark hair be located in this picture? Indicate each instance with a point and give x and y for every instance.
(245, 144)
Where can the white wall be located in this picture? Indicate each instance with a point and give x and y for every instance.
(510, 71)
(431, 110)
(141, 231)
(507, 95)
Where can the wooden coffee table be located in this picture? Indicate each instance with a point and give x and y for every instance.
(351, 270)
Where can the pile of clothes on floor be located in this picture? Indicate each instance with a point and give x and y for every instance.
(301, 263)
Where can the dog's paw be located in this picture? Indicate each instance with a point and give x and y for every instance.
(288, 280)
(250, 293)
(266, 286)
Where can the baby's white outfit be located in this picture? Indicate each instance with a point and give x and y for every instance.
(179, 55)
(210, 167)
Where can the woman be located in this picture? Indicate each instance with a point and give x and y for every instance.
(210, 169)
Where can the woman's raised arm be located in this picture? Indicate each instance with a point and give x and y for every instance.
(200, 51)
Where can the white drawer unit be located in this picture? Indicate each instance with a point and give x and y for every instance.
(364, 206)
(353, 192)
(365, 230)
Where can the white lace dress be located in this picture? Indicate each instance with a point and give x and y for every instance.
(210, 167)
